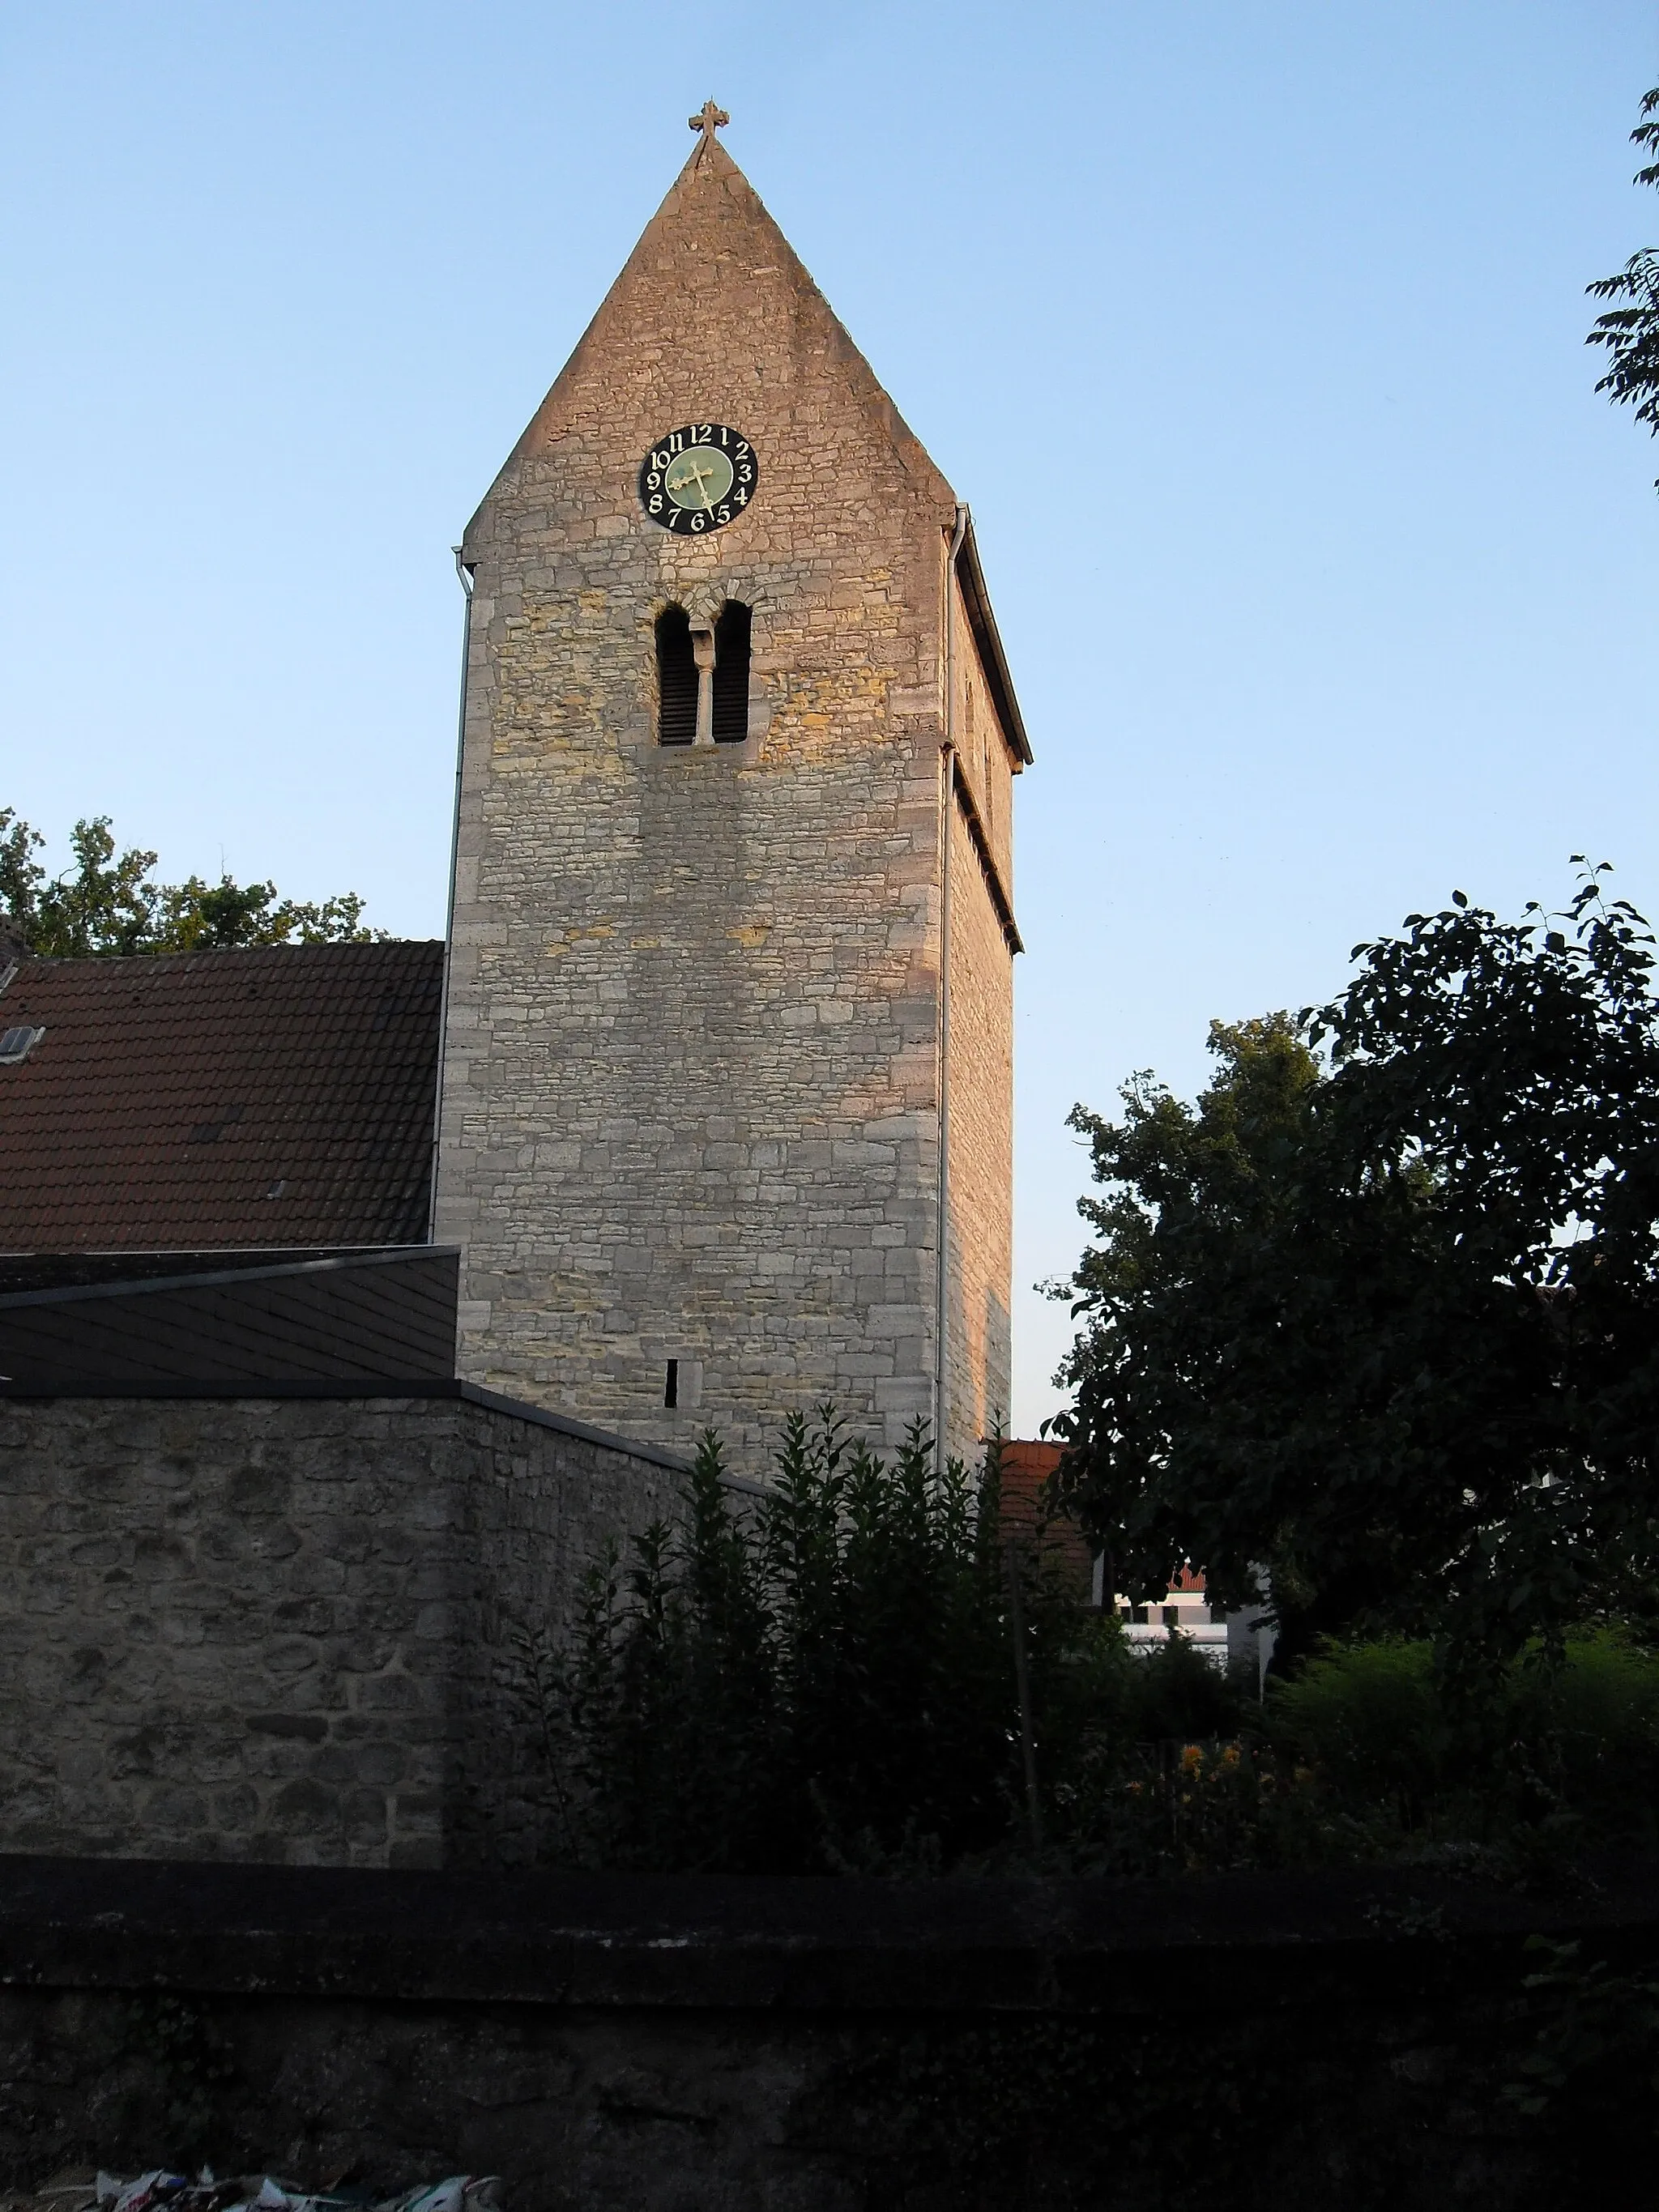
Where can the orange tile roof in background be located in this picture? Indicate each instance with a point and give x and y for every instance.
(280, 1095)
(1026, 1467)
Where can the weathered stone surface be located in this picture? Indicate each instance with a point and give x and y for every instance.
(283, 1629)
(674, 2045)
(696, 1054)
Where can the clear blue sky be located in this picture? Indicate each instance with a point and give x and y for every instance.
(1252, 333)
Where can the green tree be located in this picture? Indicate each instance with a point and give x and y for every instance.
(1629, 331)
(107, 903)
(1381, 1312)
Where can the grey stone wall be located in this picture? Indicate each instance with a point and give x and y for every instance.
(980, 1253)
(691, 1090)
(282, 1629)
(824, 2046)
(979, 1273)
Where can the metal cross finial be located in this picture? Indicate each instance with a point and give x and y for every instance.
(707, 120)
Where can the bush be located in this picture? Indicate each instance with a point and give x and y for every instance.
(821, 1679)
(824, 1679)
(1174, 1694)
(1369, 1717)
(1576, 1741)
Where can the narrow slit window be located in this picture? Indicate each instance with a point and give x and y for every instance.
(731, 674)
(670, 1389)
(677, 680)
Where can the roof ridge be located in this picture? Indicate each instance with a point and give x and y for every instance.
(102, 962)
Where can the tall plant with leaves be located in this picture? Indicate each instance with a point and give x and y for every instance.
(659, 1716)
(817, 1677)
(1381, 1312)
(1629, 331)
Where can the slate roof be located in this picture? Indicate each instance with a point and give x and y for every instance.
(280, 1097)
(381, 1317)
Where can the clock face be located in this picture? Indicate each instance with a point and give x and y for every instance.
(698, 478)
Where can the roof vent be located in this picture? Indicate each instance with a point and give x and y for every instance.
(16, 1044)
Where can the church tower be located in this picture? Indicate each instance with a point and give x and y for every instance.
(726, 1124)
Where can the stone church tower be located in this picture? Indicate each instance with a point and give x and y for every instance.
(729, 1034)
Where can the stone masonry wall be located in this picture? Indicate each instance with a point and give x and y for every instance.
(832, 2046)
(283, 1629)
(980, 1252)
(690, 1102)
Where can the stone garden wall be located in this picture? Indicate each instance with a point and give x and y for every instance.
(285, 1628)
(680, 2046)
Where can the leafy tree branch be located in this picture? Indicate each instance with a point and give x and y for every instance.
(1629, 331)
(106, 902)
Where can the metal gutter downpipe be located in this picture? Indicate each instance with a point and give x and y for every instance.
(947, 824)
(449, 911)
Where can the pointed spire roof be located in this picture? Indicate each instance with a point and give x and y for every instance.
(712, 263)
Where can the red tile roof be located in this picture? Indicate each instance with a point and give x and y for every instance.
(282, 1096)
(1027, 1465)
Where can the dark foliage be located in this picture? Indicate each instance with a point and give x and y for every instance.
(820, 1677)
(1630, 331)
(1593, 2059)
(1568, 1752)
(1380, 1315)
(107, 903)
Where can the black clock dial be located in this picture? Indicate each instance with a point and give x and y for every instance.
(698, 478)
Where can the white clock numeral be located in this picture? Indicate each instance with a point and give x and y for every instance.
(656, 504)
(741, 497)
(724, 514)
